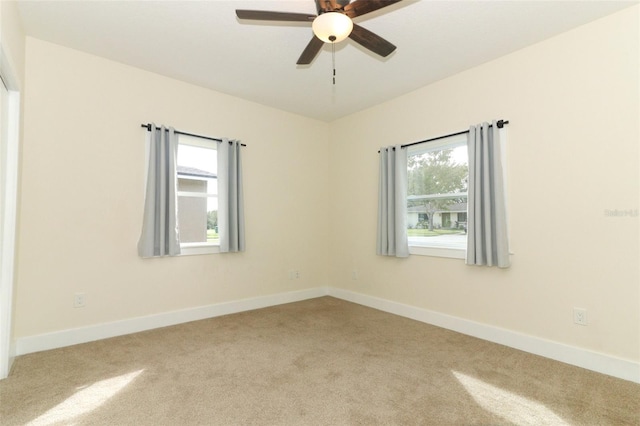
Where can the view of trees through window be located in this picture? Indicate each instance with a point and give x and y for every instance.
(437, 193)
(212, 225)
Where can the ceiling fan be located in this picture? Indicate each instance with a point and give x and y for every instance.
(332, 24)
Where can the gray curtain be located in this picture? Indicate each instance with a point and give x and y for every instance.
(160, 236)
(487, 241)
(392, 203)
(230, 197)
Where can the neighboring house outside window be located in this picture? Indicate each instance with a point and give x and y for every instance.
(455, 217)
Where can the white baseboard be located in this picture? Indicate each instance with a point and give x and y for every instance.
(59, 339)
(601, 363)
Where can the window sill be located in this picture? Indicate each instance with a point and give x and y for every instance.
(192, 249)
(453, 253)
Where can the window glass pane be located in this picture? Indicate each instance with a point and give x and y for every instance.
(437, 195)
(202, 159)
(197, 190)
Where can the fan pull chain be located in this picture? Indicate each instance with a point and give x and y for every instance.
(333, 61)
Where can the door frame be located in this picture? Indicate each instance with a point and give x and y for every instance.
(9, 167)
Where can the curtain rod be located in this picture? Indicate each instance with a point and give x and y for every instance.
(148, 127)
(499, 123)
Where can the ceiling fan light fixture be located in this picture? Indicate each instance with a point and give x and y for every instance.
(332, 27)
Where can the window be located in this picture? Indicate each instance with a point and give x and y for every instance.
(438, 175)
(197, 195)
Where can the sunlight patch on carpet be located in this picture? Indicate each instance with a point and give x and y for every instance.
(511, 407)
(85, 400)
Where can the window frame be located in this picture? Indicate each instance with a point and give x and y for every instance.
(197, 248)
(422, 249)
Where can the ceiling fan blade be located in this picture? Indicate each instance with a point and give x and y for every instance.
(310, 52)
(371, 41)
(265, 15)
(360, 7)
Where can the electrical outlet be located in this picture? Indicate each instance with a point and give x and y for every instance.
(580, 316)
(78, 300)
(354, 275)
(294, 274)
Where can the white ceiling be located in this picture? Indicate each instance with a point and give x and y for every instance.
(202, 42)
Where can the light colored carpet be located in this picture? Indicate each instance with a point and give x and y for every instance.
(317, 362)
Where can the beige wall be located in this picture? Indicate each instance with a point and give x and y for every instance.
(82, 195)
(573, 141)
(572, 147)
